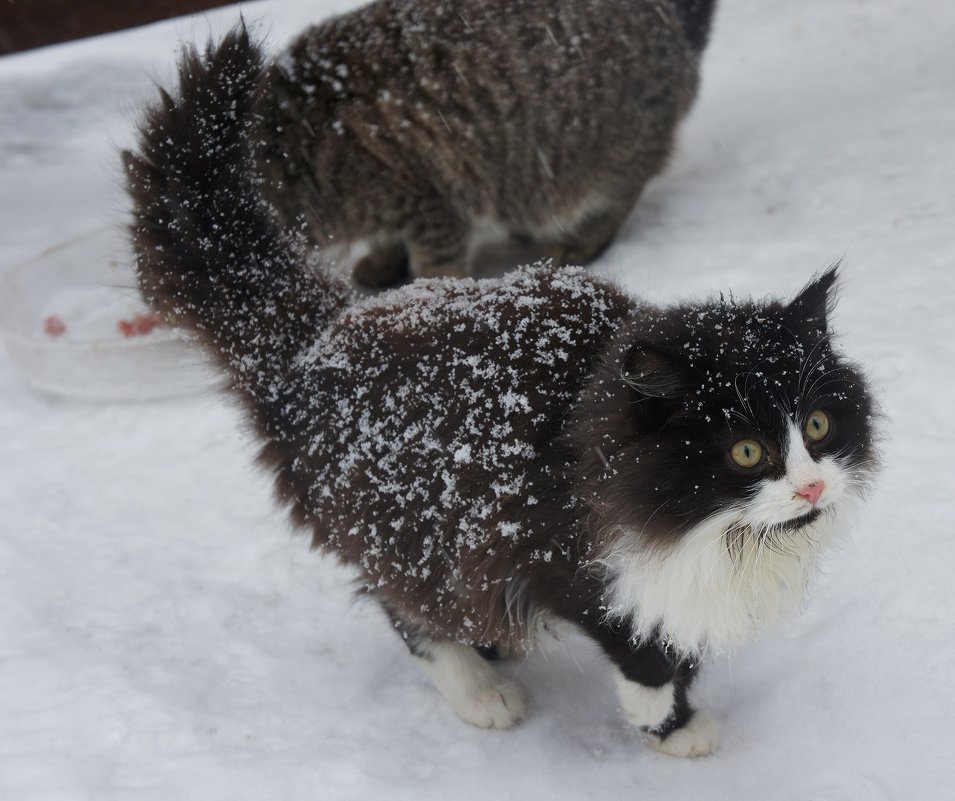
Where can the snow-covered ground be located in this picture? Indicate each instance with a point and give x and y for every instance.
(164, 636)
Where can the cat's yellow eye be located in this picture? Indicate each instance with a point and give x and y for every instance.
(817, 426)
(747, 453)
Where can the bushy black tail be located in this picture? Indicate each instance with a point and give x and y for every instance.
(210, 254)
(696, 16)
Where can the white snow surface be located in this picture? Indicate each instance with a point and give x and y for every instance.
(164, 635)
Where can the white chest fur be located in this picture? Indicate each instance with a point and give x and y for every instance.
(712, 591)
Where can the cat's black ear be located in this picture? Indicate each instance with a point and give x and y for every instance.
(652, 373)
(657, 382)
(814, 303)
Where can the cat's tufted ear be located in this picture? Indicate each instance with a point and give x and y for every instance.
(814, 303)
(658, 383)
(652, 373)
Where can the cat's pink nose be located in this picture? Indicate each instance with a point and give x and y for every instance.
(811, 492)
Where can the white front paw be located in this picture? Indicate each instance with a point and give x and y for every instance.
(699, 737)
(644, 706)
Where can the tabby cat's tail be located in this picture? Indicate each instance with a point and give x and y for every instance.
(696, 17)
(210, 254)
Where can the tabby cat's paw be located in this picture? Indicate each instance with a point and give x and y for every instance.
(381, 269)
(699, 737)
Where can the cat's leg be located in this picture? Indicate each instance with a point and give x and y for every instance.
(588, 241)
(698, 737)
(385, 264)
(437, 238)
(476, 690)
(652, 688)
(464, 675)
(584, 240)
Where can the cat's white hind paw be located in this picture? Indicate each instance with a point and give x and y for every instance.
(498, 705)
(476, 691)
(699, 737)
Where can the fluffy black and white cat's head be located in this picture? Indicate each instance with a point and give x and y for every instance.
(722, 444)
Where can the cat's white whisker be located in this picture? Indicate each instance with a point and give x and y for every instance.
(807, 365)
(754, 549)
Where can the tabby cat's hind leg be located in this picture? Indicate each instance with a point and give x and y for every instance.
(438, 238)
(587, 234)
(587, 242)
(385, 264)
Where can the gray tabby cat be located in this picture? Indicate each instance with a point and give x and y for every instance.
(417, 125)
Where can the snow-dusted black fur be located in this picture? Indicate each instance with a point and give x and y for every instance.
(209, 253)
(492, 454)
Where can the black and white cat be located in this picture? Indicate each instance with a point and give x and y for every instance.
(489, 455)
